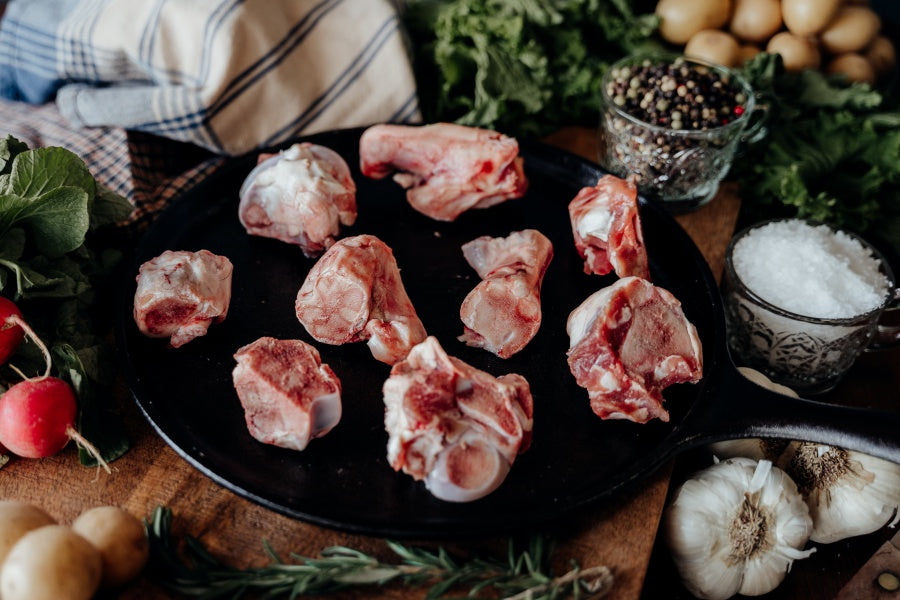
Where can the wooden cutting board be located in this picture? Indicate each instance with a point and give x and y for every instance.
(619, 533)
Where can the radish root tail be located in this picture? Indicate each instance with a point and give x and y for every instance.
(16, 320)
(18, 371)
(91, 449)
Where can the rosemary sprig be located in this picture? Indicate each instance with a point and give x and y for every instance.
(523, 575)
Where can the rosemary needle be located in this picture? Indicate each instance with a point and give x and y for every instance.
(526, 574)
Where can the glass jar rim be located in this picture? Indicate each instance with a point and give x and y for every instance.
(667, 58)
(852, 320)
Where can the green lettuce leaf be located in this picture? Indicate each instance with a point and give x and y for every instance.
(36, 172)
(58, 219)
(10, 147)
(49, 190)
(525, 67)
(12, 244)
(832, 154)
(99, 425)
(109, 208)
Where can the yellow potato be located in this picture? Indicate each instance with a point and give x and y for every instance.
(808, 17)
(882, 54)
(121, 539)
(51, 563)
(681, 19)
(755, 20)
(852, 29)
(715, 46)
(16, 519)
(854, 66)
(798, 53)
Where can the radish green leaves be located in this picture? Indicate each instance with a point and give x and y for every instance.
(50, 265)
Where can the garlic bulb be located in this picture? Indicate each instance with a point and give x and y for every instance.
(736, 527)
(848, 493)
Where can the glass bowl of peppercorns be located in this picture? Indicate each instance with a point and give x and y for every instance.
(673, 123)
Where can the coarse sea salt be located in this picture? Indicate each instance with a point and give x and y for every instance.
(810, 270)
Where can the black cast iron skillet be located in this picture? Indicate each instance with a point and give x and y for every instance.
(343, 480)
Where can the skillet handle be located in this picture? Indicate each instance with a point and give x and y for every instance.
(738, 408)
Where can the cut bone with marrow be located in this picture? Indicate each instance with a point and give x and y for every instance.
(289, 397)
(606, 225)
(179, 294)
(452, 426)
(354, 293)
(446, 169)
(628, 342)
(503, 313)
(300, 196)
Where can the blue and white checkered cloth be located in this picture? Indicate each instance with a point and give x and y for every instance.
(229, 76)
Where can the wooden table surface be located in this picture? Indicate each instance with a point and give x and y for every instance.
(619, 533)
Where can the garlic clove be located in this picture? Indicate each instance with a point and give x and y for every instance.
(761, 576)
(762, 380)
(718, 576)
(788, 530)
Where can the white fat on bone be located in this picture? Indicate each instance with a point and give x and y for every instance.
(180, 294)
(467, 470)
(289, 397)
(606, 225)
(454, 427)
(627, 342)
(301, 196)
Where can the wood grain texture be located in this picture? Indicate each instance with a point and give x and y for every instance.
(619, 533)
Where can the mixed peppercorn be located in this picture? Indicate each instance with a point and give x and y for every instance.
(677, 95)
(665, 122)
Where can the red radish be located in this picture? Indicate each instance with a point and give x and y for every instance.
(37, 419)
(13, 329)
(36, 416)
(11, 332)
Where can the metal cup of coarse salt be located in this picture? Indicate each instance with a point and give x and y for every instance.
(674, 124)
(803, 300)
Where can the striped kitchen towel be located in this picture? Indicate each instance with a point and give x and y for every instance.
(230, 76)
